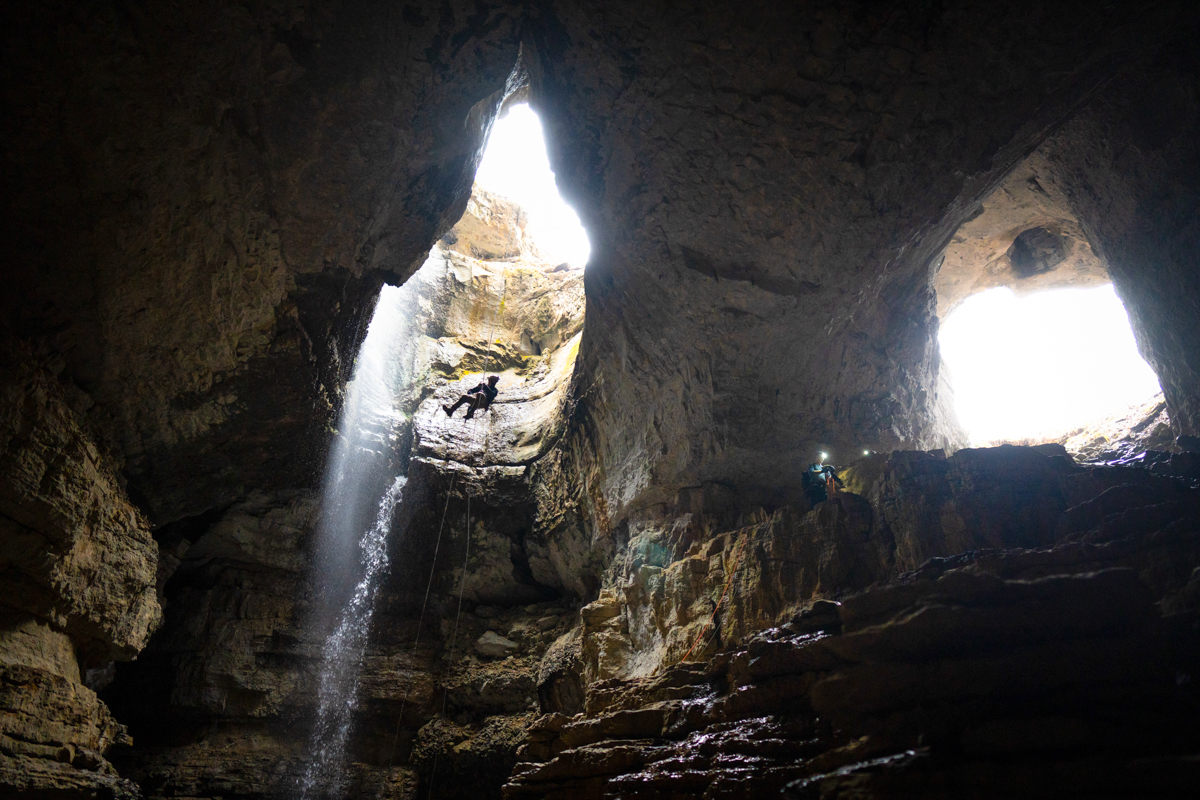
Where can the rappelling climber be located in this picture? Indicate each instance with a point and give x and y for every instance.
(820, 482)
(478, 397)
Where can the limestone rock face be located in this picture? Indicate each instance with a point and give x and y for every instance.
(492, 229)
(976, 499)
(999, 669)
(766, 227)
(678, 595)
(202, 202)
(54, 733)
(518, 318)
(78, 565)
(239, 196)
(683, 592)
(1129, 162)
(74, 550)
(220, 701)
(1025, 237)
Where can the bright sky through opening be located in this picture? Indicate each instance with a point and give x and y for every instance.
(515, 166)
(1043, 364)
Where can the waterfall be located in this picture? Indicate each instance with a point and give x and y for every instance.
(351, 552)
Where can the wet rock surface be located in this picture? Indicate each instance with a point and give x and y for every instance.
(1012, 672)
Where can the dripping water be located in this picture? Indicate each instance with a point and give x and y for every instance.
(360, 496)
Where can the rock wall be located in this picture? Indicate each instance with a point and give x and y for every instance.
(221, 700)
(1038, 655)
(768, 193)
(1129, 164)
(684, 590)
(241, 180)
(984, 253)
(76, 552)
(78, 565)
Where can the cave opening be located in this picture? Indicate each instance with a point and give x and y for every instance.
(516, 166)
(1057, 365)
(1035, 342)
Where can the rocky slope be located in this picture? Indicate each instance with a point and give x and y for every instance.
(1047, 651)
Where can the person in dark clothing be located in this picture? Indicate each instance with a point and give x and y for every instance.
(819, 482)
(479, 397)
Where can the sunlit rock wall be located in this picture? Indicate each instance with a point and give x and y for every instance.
(220, 700)
(983, 253)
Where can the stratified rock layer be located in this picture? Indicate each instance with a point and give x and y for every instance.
(1044, 671)
(238, 196)
(78, 566)
(75, 551)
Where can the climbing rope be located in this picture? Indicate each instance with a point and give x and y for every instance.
(728, 582)
(499, 308)
(466, 557)
(454, 637)
(425, 604)
(487, 436)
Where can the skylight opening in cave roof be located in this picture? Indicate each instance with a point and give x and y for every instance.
(1039, 366)
(515, 165)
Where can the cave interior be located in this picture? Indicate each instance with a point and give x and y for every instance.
(613, 583)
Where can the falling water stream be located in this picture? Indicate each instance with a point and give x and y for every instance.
(359, 502)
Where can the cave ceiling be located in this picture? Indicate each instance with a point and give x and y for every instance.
(1024, 237)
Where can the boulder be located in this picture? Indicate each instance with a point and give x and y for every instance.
(493, 645)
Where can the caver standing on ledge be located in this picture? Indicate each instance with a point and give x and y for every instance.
(479, 397)
(820, 482)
